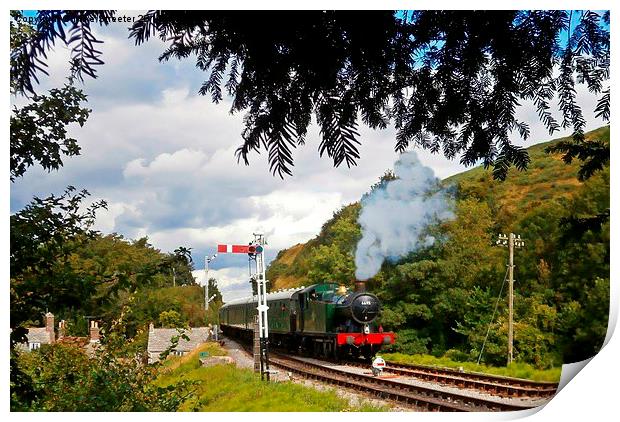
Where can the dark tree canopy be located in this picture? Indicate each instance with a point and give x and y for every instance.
(43, 236)
(39, 129)
(449, 81)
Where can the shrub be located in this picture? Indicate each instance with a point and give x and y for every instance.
(410, 342)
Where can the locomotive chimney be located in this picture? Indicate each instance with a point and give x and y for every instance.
(360, 286)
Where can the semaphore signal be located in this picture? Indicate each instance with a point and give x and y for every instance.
(251, 249)
(255, 251)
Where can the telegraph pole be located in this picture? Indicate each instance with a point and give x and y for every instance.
(512, 241)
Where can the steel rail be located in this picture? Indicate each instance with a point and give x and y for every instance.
(512, 386)
(503, 388)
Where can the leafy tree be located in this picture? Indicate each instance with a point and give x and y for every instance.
(214, 290)
(171, 319)
(39, 129)
(449, 81)
(180, 265)
(330, 264)
(148, 303)
(411, 342)
(30, 45)
(383, 180)
(116, 269)
(43, 236)
(48, 230)
(477, 321)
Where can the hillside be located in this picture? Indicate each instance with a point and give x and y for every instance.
(547, 178)
(555, 284)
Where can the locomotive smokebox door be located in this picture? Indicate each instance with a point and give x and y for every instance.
(364, 308)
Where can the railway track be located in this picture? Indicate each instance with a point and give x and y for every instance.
(427, 398)
(422, 397)
(492, 384)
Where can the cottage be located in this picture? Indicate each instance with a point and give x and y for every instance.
(160, 339)
(37, 336)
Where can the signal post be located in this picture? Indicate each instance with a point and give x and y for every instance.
(256, 254)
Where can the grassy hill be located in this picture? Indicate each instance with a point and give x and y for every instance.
(441, 299)
(547, 178)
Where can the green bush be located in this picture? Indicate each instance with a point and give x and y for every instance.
(410, 342)
(457, 355)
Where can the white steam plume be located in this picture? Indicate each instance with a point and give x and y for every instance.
(395, 216)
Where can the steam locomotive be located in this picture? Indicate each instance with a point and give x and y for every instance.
(322, 320)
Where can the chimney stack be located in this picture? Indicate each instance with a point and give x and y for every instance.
(360, 286)
(49, 326)
(94, 332)
(62, 329)
(151, 328)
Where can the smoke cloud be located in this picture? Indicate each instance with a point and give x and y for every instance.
(394, 217)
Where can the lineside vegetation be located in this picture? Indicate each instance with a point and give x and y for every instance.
(226, 388)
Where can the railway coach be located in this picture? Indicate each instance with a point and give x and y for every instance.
(325, 319)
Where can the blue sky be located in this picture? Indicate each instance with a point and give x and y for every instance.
(163, 158)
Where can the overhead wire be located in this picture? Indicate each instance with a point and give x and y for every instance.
(492, 317)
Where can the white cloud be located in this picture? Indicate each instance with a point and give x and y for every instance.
(181, 162)
(232, 282)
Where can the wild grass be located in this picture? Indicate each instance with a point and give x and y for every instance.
(515, 369)
(226, 388)
(173, 362)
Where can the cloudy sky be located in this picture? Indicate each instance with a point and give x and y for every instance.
(163, 158)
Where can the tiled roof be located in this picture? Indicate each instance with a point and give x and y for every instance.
(83, 343)
(73, 341)
(159, 339)
(38, 335)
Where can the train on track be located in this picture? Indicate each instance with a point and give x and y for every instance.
(326, 319)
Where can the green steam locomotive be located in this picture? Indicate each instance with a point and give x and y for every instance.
(326, 319)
